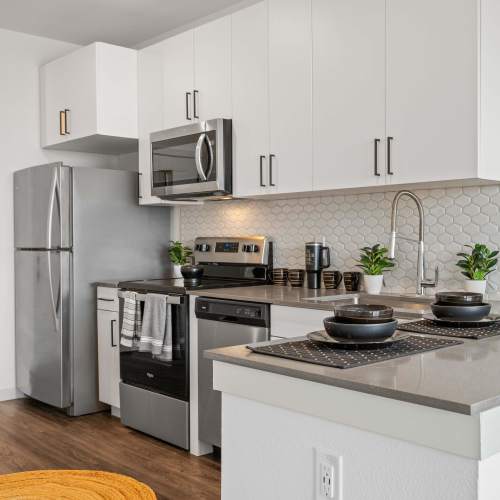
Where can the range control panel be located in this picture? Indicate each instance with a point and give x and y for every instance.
(231, 250)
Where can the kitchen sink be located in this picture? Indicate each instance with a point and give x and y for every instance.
(406, 306)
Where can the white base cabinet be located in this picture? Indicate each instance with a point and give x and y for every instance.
(289, 322)
(108, 346)
(89, 100)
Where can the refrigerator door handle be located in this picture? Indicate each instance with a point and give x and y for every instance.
(50, 212)
(55, 306)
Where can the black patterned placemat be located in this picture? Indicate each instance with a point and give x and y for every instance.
(324, 354)
(430, 327)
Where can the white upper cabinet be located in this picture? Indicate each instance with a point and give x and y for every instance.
(212, 70)
(290, 95)
(197, 74)
(250, 101)
(89, 100)
(178, 80)
(348, 93)
(432, 94)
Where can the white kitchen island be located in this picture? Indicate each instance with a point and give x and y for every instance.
(422, 427)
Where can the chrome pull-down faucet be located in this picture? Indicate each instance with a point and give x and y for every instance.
(422, 281)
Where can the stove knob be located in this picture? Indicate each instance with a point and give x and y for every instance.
(246, 248)
(203, 247)
(254, 248)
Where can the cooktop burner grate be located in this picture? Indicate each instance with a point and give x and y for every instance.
(430, 327)
(327, 355)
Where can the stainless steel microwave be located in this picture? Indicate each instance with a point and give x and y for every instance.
(192, 162)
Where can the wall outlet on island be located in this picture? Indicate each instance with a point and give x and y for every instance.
(328, 474)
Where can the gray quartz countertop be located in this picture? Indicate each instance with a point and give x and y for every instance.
(278, 295)
(108, 283)
(462, 379)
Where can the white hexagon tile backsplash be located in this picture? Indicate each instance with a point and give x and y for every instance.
(453, 217)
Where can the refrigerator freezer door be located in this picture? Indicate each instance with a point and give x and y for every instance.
(43, 326)
(42, 207)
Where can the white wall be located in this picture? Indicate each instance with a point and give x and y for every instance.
(20, 57)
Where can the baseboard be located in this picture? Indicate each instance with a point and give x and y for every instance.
(10, 393)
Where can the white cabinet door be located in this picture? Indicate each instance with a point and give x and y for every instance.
(348, 93)
(178, 80)
(212, 70)
(95, 87)
(250, 101)
(432, 89)
(108, 340)
(290, 99)
(289, 322)
(69, 85)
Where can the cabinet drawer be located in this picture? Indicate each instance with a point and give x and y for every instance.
(107, 299)
(287, 322)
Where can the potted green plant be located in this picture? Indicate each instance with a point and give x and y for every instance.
(374, 261)
(476, 266)
(179, 255)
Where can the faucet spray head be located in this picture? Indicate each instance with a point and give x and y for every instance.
(392, 246)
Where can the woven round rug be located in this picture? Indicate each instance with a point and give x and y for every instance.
(73, 485)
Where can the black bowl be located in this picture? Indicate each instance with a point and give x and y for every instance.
(362, 321)
(364, 311)
(192, 272)
(459, 298)
(361, 332)
(461, 313)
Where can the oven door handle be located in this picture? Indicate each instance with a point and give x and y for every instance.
(197, 157)
(141, 297)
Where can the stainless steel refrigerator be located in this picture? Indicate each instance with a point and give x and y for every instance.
(74, 226)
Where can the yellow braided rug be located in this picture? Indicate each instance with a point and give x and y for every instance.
(72, 485)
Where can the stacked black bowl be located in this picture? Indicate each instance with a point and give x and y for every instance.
(460, 306)
(361, 323)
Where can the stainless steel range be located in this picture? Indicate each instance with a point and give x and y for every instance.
(154, 394)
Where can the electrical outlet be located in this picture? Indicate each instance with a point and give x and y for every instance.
(328, 475)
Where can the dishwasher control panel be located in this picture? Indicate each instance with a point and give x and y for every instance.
(232, 311)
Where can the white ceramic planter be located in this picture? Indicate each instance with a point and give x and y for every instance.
(373, 284)
(476, 286)
(176, 268)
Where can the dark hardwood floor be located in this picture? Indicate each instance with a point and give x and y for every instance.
(35, 436)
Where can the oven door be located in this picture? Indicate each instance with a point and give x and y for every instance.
(141, 369)
(192, 161)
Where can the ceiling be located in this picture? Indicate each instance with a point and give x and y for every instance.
(122, 22)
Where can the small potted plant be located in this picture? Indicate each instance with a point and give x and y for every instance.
(374, 261)
(476, 266)
(179, 255)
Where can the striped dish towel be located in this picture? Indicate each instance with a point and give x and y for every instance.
(156, 335)
(132, 320)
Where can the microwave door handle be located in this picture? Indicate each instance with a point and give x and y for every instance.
(210, 157)
(197, 157)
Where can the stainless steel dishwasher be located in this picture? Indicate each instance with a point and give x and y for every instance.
(223, 323)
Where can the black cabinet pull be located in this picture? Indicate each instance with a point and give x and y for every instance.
(113, 321)
(139, 177)
(271, 157)
(375, 160)
(261, 166)
(195, 94)
(389, 171)
(188, 95)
